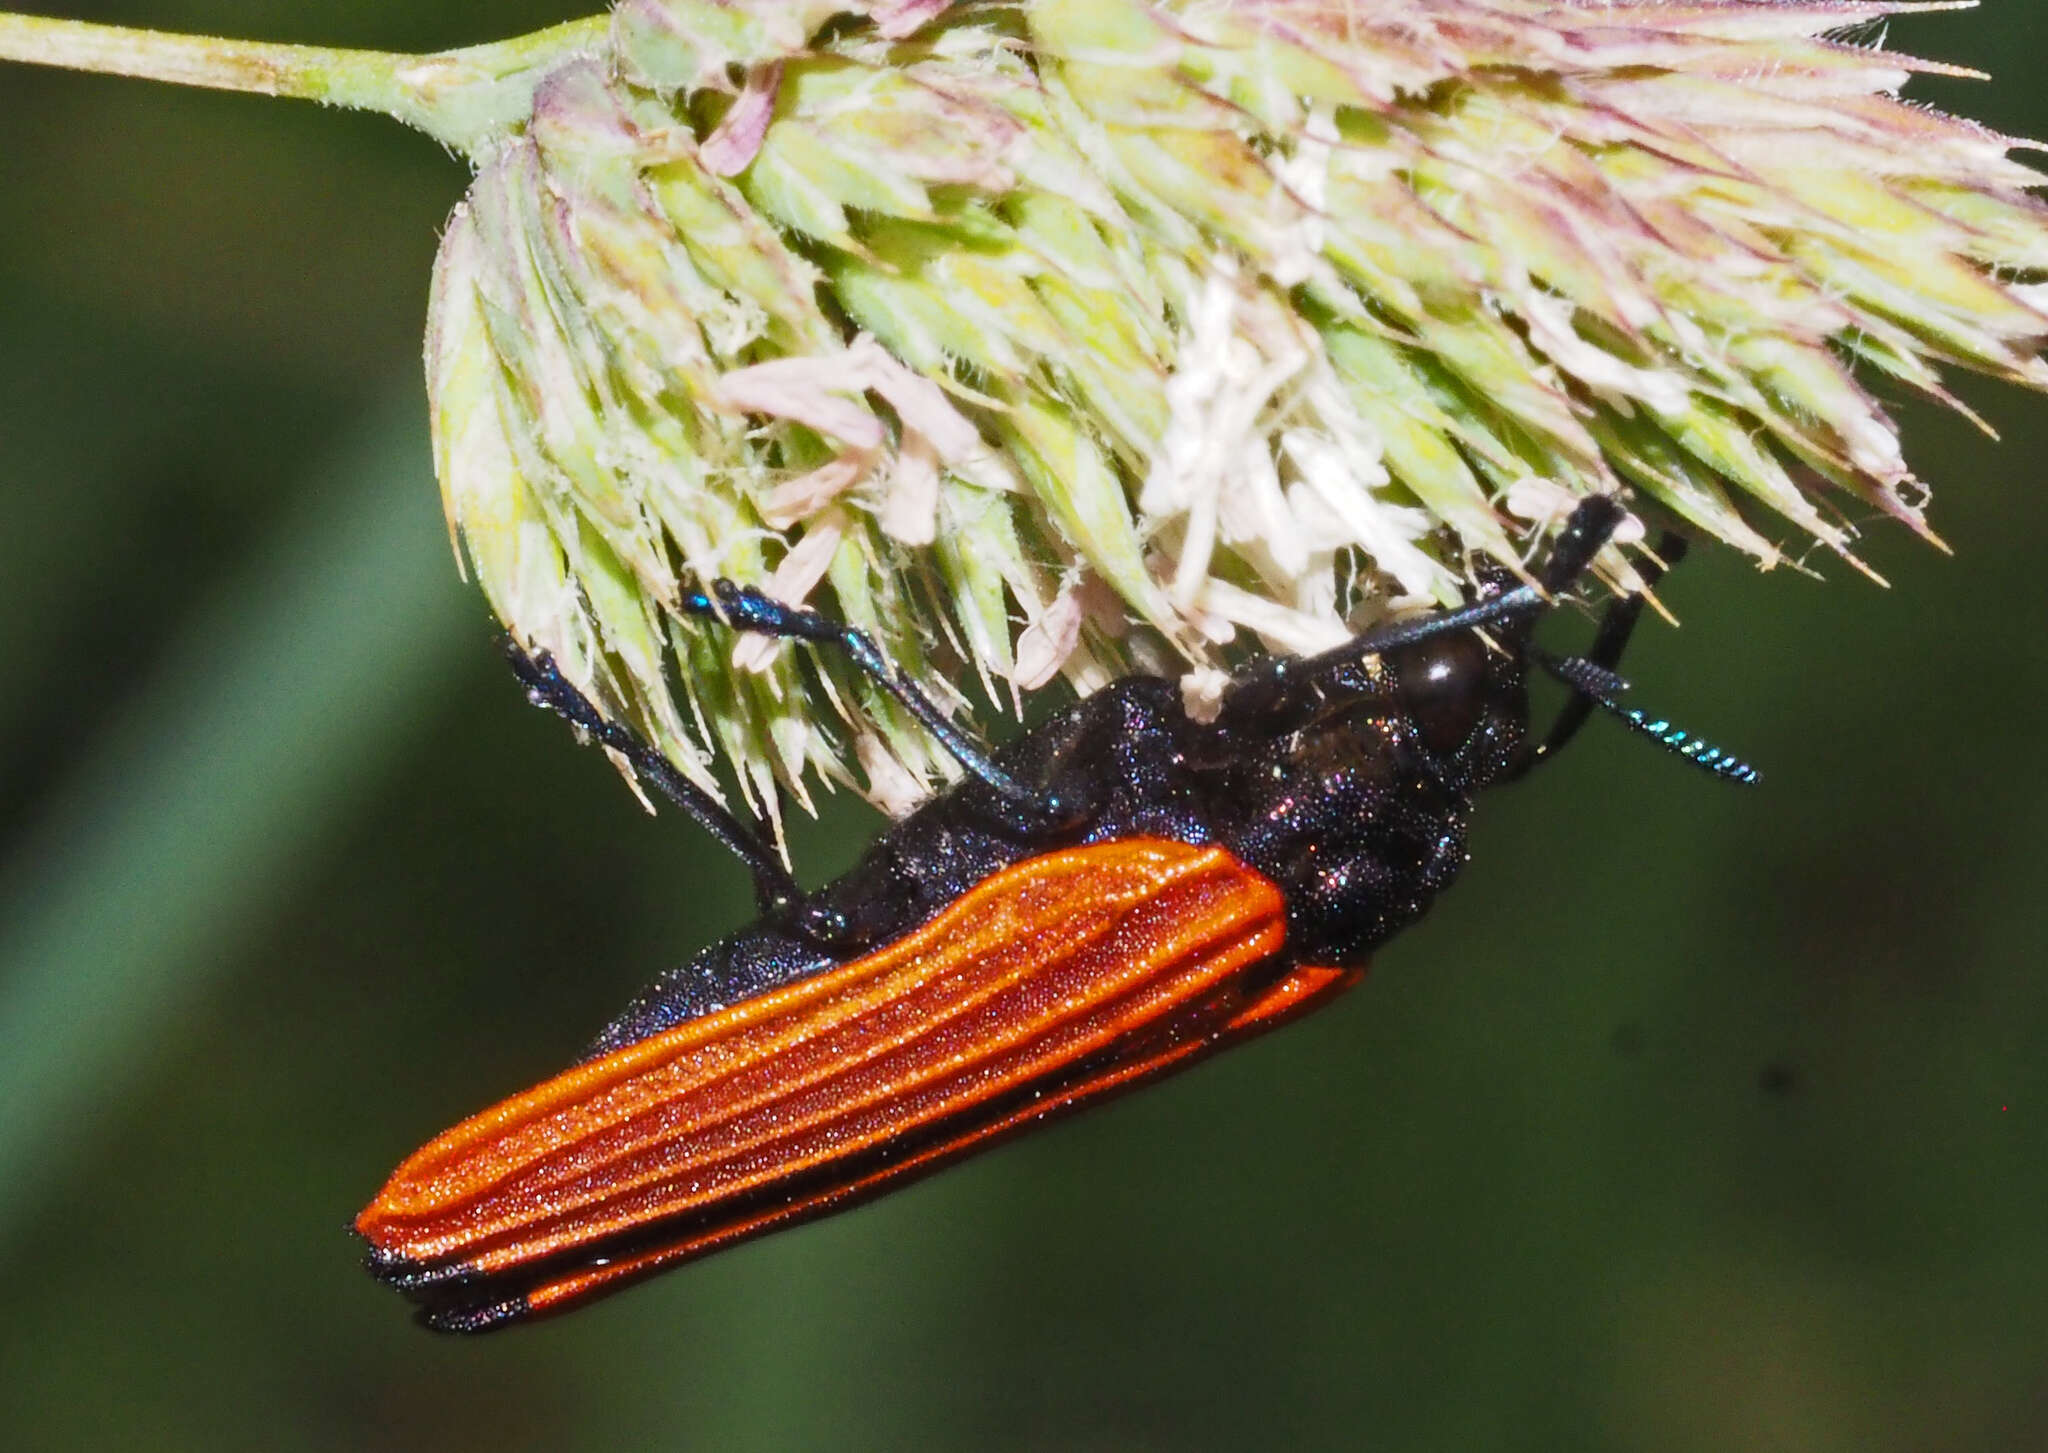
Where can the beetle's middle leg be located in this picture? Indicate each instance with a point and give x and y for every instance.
(747, 609)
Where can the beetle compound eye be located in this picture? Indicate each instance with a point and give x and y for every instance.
(1443, 688)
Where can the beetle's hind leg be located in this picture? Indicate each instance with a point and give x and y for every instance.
(746, 609)
(776, 894)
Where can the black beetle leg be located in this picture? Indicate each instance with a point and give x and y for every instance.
(746, 609)
(1592, 523)
(1617, 624)
(776, 893)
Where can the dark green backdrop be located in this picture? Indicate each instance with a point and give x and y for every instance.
(1694, 1120)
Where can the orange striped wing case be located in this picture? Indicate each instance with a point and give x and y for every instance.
(1051, 984)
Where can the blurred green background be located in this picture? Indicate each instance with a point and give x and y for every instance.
(1693, 1120)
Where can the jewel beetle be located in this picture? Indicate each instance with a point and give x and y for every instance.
(1112, 896)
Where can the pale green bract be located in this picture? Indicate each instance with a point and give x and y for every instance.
(1058, 338)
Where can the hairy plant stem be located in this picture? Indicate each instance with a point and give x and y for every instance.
(460, 97)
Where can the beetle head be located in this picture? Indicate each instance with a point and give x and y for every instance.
(1434, 704)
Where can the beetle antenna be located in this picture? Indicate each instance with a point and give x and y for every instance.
(1600, 687)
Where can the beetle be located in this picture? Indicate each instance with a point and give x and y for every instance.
(1113, 895)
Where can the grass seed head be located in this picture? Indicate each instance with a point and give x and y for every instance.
(1061, 337)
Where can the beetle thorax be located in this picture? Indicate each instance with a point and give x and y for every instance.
(1355, 795)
